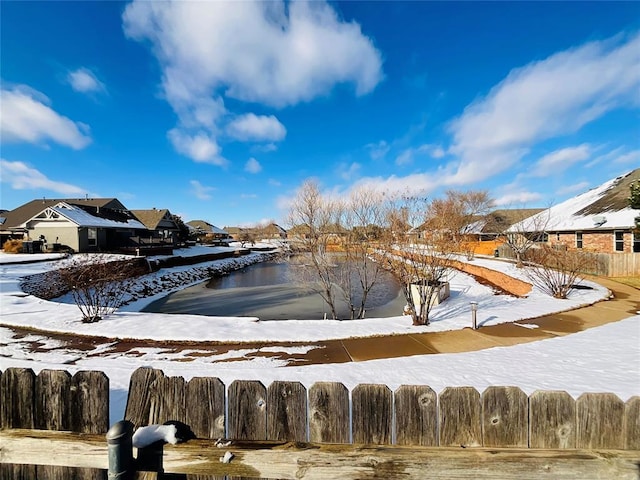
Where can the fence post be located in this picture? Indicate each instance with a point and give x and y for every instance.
(120, 447)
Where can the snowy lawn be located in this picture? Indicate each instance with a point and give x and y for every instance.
(605, 358)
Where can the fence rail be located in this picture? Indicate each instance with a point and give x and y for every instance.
(371, 430)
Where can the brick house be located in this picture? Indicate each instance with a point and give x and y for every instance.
(599, 220)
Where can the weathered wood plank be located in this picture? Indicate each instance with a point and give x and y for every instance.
(287, 411)
(247, 410)
(53, 400)
(599, 421)
(17, 410)
(505, 417)
(18, 393)
(142, 402)
(89, 412)
(416, 414)
(552, 420)
(171, 402)
(205, 407)
(52, 412)
(372, 410)
(329, 413)
(632, 424)
(90, 397)
(322, 461)
(460, 417)
(205, 410)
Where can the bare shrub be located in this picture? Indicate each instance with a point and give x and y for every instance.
(12, 246)
(97, 283)
(557, 271)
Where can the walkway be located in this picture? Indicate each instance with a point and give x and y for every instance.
(625, 303)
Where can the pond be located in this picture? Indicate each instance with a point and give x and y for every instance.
(271, 291)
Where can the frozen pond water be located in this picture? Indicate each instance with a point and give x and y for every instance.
(270, 291)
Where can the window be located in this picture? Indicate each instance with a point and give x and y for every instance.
(92, 236)
(618, 237)
(558, 237)
(578, 239)
(636, 242)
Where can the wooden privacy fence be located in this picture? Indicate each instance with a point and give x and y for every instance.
(287, 431)
(52, 400)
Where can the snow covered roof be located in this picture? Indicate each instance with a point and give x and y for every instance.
(218, 230)
(601, 208)
(83, 218)
(206, 227)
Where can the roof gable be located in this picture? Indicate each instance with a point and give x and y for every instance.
(17, 217)
(152, 218)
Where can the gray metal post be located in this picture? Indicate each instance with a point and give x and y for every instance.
(119, 441)
(474, 309)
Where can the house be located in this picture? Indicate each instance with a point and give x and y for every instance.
(235, 232)
(599, 220)
(209, 233)
(494, 225)
(271, 231)
(161, 225)
(82, 225)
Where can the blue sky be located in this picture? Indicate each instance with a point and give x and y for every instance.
(220, 110)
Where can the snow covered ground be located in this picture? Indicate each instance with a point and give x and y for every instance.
(606, 358)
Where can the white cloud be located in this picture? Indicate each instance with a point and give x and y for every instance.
(248, 195)
(200, 191)
(262, 52)
(273, 53)
(23, 177)
(544, 100)
(256, 128)
(517, 198)
(410, 185)
(201, 147)
(348, 171)
(405, 157)
(27, 117)
(408, 155)
(265, 148)
(629, 157)
(252, 166)
(559, 160)
(438, 152)
(84, 80)
(378, 150)
(576, 187)
(274, 183)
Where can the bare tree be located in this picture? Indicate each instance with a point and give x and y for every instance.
(97, 284)
(247, 236)
(525, 233)
(459, 214)
(314, 215)
(362, 216)
(419, 258)
(557, 270)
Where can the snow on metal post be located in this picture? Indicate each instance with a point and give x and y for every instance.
(474, 310)
(120, 449)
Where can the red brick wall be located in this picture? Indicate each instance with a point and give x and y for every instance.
(601, 242)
